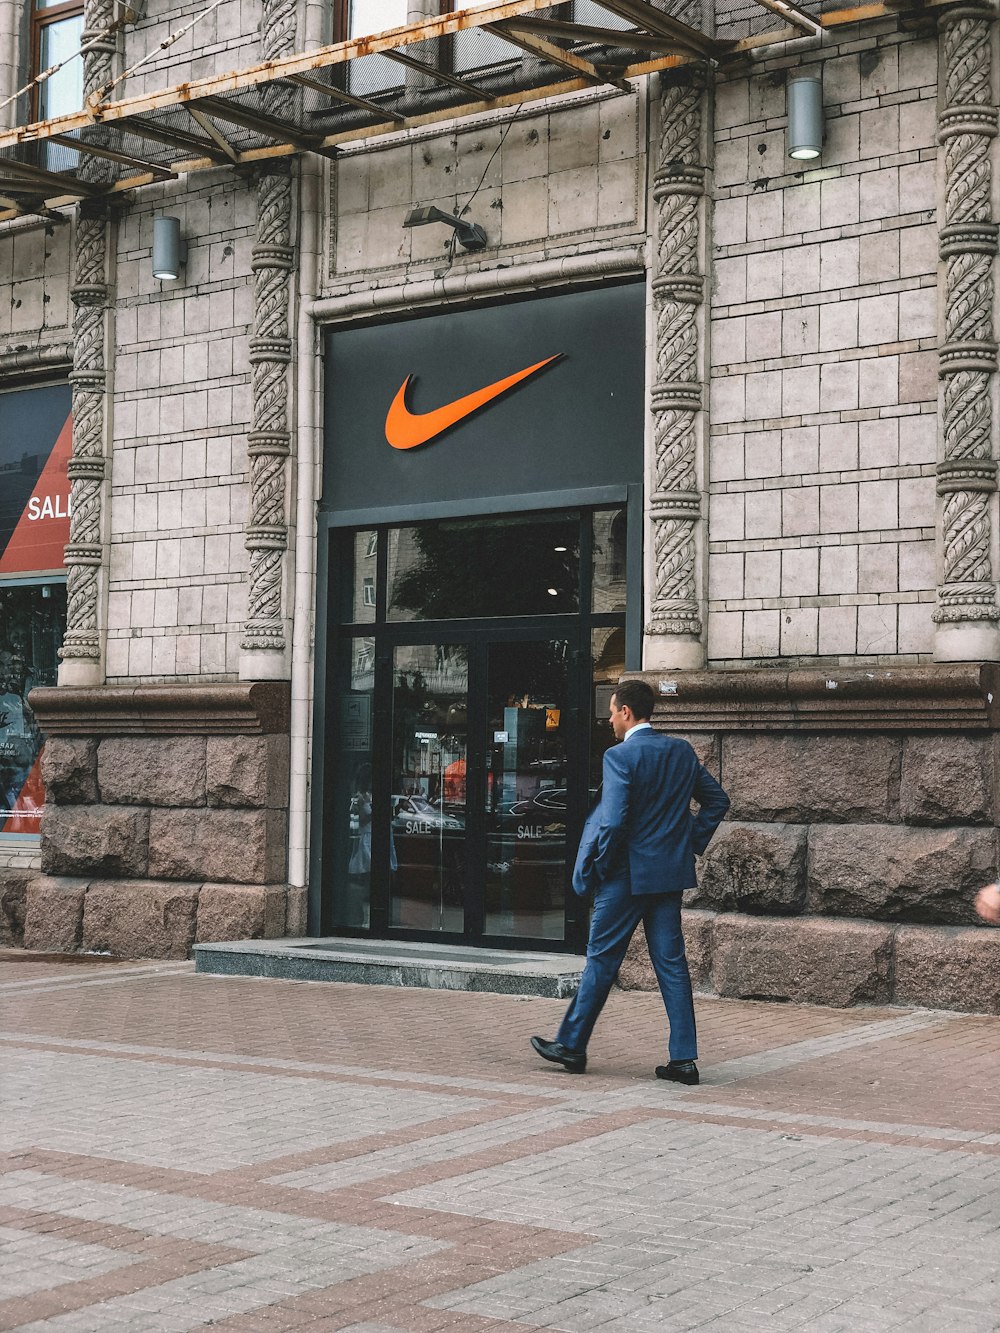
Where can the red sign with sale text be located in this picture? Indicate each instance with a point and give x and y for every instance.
(37, 532)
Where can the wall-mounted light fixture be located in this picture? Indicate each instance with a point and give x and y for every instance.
(169, 251)
(469, 235)
(804, 105)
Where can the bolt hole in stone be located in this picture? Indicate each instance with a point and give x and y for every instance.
(762, 148)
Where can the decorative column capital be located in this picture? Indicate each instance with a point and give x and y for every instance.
(967, 120)
(678, 178)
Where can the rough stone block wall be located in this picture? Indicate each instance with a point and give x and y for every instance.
(177, 588)
(855, 825)
(846, 870)
(839, 962)
(153, 842)
(824, 376)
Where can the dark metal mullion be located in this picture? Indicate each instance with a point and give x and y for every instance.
(320, 898)
(476, 789)
(381, 575)
(382, 725)
(579, 686)
(634, 592)
(586, 580)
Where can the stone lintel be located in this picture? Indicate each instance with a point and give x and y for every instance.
(245, 708)
(949, 696)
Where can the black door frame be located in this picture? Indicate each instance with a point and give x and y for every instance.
(575, 627)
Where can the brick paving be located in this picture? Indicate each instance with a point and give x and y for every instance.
(183, 1151)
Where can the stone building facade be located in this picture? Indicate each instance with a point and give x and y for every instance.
(813, 589)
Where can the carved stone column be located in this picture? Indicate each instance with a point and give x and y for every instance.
(675, 632)
(83, 649)
(967, 614)
(265, 634)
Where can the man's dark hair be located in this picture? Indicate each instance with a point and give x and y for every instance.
(639, 697)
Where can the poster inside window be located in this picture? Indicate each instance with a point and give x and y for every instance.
(35, 447)
(32, 620)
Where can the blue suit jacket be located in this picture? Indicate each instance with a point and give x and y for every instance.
(642, 830)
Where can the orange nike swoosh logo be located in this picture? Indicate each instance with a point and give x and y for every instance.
(405, 429)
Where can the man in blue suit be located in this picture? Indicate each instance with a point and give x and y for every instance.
(637, 851)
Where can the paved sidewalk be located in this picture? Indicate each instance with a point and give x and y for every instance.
(183, 1151)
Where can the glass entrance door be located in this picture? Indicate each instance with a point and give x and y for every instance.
(464, 725)
(527, 793)
(427, 833)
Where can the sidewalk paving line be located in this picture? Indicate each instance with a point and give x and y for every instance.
(815, 1048)
(164, 969)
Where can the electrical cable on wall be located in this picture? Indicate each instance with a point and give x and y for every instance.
(461, 212)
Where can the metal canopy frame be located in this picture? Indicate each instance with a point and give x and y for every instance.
(317, 101)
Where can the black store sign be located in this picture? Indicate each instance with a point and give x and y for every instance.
(530, 398)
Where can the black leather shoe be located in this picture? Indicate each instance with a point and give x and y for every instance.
(573, 1061)
(679, 1071)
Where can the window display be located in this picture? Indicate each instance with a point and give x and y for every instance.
(32, 618)
(36, 435)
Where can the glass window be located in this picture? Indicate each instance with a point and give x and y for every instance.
(351, 809)
(608, 655)
(32, 619)
(57, 30)
(475, 49)
(370, 75)
(610, 561)
(591, 13)
(509, 566)
(357, 556)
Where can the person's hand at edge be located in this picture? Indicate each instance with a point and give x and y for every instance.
(988, 903)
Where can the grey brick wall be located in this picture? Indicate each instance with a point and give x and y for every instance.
(824, 377)
(177, 595)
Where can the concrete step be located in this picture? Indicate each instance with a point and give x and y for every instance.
(397, 963)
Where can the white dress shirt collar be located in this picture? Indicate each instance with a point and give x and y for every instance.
(639, 726)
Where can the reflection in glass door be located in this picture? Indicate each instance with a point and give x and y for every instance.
(527, 788)
(428, 788)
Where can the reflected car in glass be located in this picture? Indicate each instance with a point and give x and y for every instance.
(416, 814)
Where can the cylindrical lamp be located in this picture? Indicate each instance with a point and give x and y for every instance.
(169, 251)
(804, 104)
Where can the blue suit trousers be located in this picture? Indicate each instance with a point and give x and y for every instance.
(617, 913)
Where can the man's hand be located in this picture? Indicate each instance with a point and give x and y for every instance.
(988, 903)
